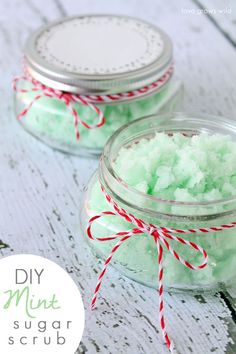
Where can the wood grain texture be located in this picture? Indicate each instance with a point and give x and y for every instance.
(41, 190)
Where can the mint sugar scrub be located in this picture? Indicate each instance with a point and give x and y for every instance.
(198, 168)
(80, 85)
(173, 171)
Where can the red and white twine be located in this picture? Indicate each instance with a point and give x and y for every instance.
(161, 236)
(87, 100)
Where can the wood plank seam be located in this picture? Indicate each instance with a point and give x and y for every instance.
(226, 298)
(215, 23)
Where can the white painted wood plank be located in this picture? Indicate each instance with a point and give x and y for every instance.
(223, 14)
(41, 190)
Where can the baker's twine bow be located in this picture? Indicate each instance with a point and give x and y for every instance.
(67, 98)
(87, 100)
(161, 236)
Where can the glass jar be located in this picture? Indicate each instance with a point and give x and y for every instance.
(137, 256)
(80, 85)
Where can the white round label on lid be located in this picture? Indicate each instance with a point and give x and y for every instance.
(100, 45)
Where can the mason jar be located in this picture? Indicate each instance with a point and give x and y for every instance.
(86, 76)
(137, 256)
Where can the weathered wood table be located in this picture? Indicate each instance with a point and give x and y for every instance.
(41, 190)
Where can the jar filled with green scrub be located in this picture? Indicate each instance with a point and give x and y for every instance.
(85, 77)
(174, 173)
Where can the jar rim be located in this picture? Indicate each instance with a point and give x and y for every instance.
(108, 173)
(76, 82)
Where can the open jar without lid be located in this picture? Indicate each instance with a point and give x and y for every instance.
(87, 76)
(137, 256)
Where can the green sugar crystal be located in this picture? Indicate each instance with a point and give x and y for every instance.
(197, 169)
(200, 168)
(50, 120)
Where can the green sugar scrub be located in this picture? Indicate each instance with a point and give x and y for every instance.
(183, 179)
(201, 168)
(80, 64)
(51, 121)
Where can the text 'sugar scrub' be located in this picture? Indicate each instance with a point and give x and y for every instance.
(37, 316)
(87, 76)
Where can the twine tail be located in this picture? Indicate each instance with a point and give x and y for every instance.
(108, 260)
(74, 114)
(166, 337)
(84, 101)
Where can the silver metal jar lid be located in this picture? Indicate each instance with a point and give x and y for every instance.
(98, 54)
